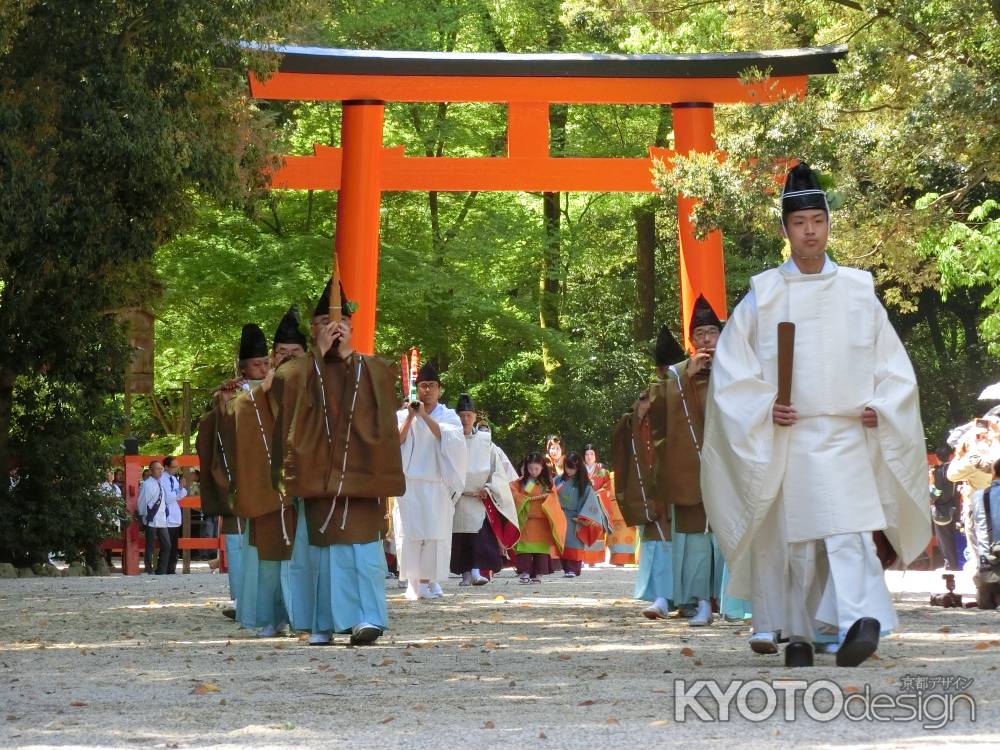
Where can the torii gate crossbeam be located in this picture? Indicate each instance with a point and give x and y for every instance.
(362, 168)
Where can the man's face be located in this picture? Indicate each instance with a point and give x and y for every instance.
(807, 232)
(704, 337)
(468, 420)
(319, 322)
(170, 468)
(429, 392)
(156, 470)
(285, 352)
(256, 368)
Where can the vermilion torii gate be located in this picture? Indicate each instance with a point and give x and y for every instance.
(362, 168)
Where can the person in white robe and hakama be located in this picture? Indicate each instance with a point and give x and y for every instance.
(795, 492)
(434, 462)
(485, 526)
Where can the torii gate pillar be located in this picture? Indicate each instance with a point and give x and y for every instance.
(702, 262)
(358, 214)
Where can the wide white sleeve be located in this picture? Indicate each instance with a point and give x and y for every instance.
(896, 446)
(503, 465)
(452, 452)
(743, 452)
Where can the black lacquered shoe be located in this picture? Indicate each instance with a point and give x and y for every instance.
(860, 642)
(799, 654)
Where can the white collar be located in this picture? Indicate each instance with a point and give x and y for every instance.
(790, 269)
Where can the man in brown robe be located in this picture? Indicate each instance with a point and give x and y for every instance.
(679, 406)
(216, 446)
(270, 519)
(642, 500)
(336, 449)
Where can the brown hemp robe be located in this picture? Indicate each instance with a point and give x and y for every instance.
(630, 495)
(678, 461)
(216, 475)
(272, 528)
(308, 454)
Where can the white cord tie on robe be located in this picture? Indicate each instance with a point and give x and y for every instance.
(347, 444)
(267, 450)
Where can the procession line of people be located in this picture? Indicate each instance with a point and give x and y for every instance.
(758, 482)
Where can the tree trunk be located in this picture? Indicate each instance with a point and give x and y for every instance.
(550, 281)
(930, 310)
(645, 271)
(6, 403)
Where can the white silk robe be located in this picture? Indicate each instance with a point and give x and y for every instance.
(833, 475)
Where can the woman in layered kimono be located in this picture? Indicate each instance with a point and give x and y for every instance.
(586, 519)
(543, 525)
(621, 538)
(554, 456)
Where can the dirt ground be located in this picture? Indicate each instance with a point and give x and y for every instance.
(151, 662)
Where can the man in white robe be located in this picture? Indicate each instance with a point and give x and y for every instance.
(481, 540)
(434, 462)
(794, 493)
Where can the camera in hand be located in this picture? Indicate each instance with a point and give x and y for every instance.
(949, 598)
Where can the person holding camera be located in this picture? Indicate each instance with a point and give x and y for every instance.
(435, 460)
(986, 518)
(152, 511)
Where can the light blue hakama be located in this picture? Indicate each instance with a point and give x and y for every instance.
(261, 603)
(332, 589)
(731, 607)
(234, 564)
(655, 578)
(698, 565)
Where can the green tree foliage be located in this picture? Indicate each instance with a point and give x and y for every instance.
(473, 279)
(906, 136)
(113, 115)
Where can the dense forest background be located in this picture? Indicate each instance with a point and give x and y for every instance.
(136, 180)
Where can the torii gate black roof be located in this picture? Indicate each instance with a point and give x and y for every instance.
(782, 62)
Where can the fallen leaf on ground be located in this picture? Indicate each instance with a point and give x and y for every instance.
(659, 723)
(499, 598)
(387, 719)
(687, 651)
(77, 703)
(585, 703)
(542, 736)
(851, 689)
(490, 645)
(613, 720)
(944, 629)
(981, 645)
(387, 662)
(489, 725)
(563, 657)
(208, 687)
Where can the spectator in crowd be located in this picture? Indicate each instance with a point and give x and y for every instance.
(977, 450)
(944, 510)
(119, 481)
(152, 511)
(173, 494)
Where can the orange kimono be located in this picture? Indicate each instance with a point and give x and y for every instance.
(621, 540)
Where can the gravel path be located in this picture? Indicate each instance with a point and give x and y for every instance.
(151, 662)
